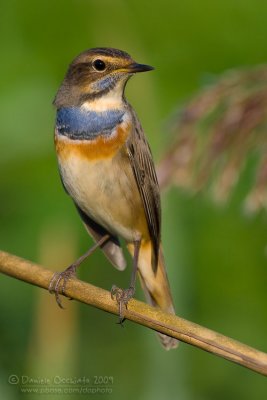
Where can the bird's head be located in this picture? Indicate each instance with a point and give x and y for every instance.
(95, 75)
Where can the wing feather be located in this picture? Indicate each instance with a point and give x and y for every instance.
(145, 175)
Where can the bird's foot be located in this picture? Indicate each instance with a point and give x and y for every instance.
(59, 281)
(122, 296)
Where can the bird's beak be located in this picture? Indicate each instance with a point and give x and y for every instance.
(135, 67)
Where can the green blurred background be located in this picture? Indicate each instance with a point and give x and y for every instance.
(216, 256)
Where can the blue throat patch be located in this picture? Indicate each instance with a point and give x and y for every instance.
(77, 123)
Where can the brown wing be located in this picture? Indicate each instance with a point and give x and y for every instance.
(144, 171)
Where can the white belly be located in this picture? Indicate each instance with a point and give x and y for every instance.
(104, 191)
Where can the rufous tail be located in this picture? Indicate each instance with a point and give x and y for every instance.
(156, 287)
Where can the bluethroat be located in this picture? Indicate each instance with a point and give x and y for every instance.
(106, 167)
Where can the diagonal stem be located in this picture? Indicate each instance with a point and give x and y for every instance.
(142, 314)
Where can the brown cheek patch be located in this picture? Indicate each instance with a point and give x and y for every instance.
(99, 148)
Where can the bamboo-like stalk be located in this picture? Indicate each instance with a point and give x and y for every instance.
(141, 313)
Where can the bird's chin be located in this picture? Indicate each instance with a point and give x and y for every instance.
(105, 84)
(112, 84)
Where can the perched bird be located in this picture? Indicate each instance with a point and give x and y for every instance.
(107, 168)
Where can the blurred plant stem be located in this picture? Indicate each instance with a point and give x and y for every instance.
(140, 313)
(52, 343)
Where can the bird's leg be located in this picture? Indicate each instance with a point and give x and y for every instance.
(122, 296)
(58, 282)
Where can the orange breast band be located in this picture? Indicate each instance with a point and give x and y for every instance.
(100, 148)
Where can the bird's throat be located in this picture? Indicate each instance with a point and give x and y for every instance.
(79, 123)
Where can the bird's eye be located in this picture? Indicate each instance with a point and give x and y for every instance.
(99, 65)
